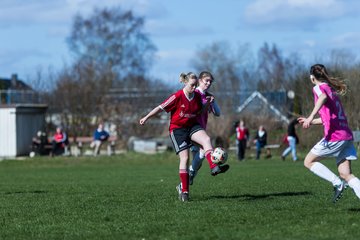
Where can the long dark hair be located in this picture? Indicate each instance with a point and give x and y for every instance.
(320, 73)
(204, 74)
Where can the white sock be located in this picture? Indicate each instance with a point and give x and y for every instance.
(201, 154)
(354, 183)
(325, 173)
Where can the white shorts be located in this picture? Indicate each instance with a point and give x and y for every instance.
(341, 150)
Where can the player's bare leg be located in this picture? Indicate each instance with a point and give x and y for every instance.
(344, 169)
(204, 140)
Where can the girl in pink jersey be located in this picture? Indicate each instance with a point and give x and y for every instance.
(205, 81)
(338, 140)
(184, 106)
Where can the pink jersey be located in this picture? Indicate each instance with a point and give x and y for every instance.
(203, 118)
(332, 115)
(183, 111)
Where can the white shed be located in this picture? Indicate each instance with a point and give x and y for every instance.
(19, 123)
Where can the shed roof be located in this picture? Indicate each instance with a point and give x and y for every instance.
(257, 95)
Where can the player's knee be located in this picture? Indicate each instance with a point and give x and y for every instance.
(310, 160)
(307, 164)
(345, 175)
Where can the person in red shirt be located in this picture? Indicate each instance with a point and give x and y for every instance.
(242, 136)
(184, 107)
(59, 143)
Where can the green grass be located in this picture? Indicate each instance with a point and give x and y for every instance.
(132, 196)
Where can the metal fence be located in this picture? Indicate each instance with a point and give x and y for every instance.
(19, 96)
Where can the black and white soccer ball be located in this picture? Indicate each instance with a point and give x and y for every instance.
(219, 156)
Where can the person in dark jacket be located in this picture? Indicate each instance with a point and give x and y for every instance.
(260, 141)
(292, 139)
(39, 144)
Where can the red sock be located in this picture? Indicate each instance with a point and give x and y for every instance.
(208, 158)
(184, 178)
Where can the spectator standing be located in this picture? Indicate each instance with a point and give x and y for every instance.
(242, 136)
(100, 136)
(292, 139)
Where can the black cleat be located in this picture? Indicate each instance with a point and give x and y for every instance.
(184, 197)
(192, 174)
(219, 169)
(338, 191)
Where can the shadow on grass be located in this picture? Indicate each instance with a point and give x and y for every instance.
(250, 197)
(354, 210)
(26, 192)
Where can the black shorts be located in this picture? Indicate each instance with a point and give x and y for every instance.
(181, 137)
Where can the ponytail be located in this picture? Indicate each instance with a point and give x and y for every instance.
(320, 73)
(184, 78)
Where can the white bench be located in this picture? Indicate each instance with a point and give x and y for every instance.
(79, 142)
(272, 146)
(269, 146)
(149, 146)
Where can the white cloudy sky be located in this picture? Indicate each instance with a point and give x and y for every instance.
(33, 32)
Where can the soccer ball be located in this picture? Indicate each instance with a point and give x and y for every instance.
(219, 156)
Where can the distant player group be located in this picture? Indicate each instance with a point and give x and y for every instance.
(190, 106)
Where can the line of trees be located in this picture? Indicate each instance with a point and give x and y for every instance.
(110, 51)
(113, 55)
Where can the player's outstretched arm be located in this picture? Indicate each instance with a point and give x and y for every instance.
(309, 121)
(152, 113)
(316, 121)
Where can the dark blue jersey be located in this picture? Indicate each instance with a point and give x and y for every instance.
(101, 135)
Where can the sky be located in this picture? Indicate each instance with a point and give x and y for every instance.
(33, 32)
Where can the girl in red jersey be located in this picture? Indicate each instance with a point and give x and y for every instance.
(184, 106)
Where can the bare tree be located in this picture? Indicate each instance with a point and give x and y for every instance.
(276, 71)
(233, 72)
(351, 100)
(80, 97)
(112, 54)
(228, 65)
(113, 38)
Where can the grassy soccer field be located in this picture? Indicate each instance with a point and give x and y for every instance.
(133, 196)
